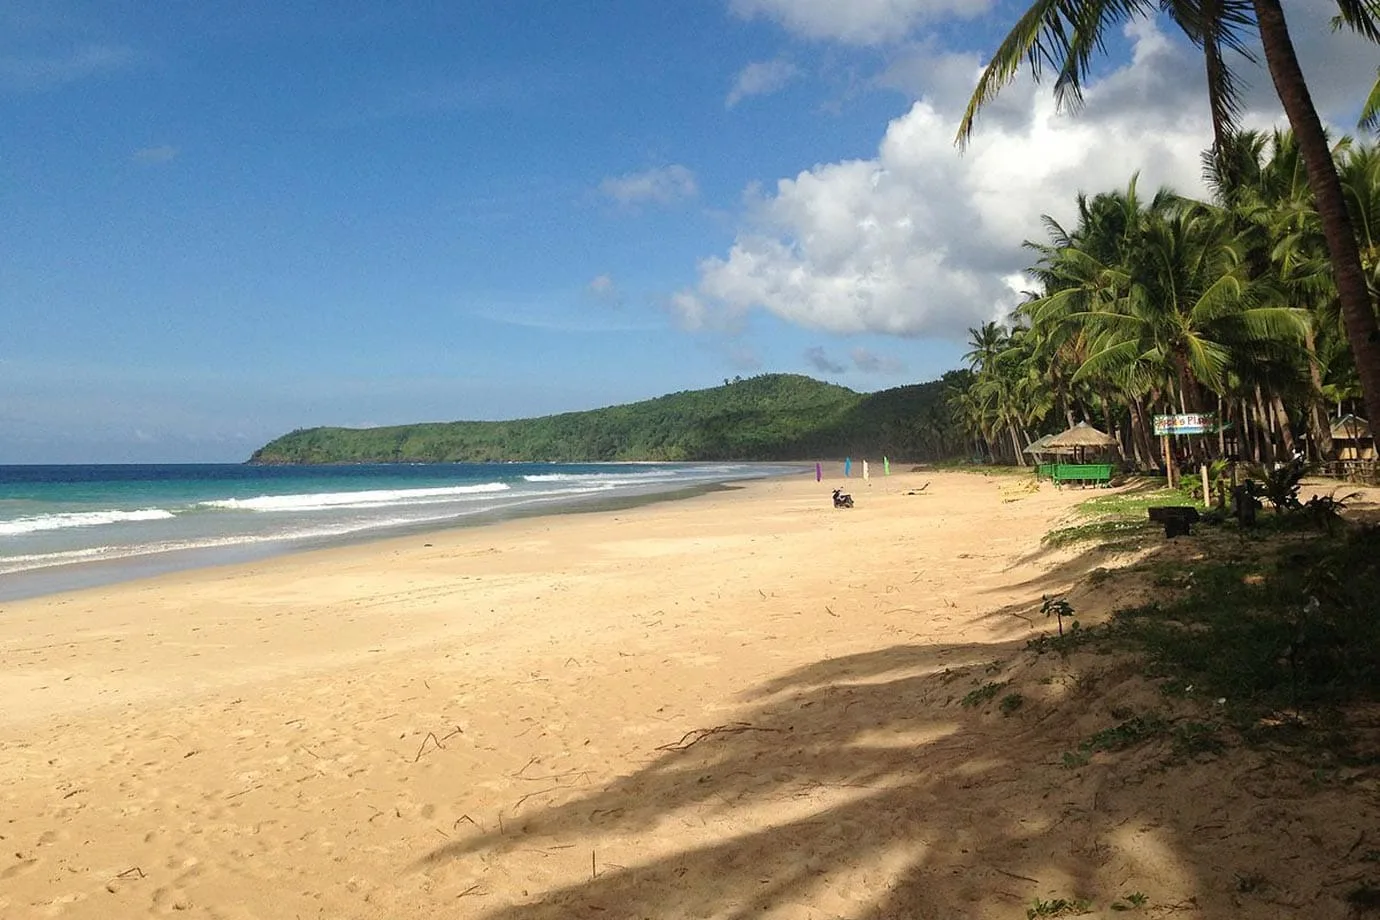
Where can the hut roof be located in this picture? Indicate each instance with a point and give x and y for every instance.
(1350, 427)
(1081, 435)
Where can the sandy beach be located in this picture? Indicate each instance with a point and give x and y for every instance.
(739, 704)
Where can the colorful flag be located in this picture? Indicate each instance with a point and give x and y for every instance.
(886, 466)
(819, 472)
(865, 473)
(848, 466)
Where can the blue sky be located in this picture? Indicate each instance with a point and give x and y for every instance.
(223, 224)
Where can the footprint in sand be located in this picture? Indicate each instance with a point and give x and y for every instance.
(170, 899)
(19, 868)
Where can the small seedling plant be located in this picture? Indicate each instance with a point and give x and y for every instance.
(1058, 608)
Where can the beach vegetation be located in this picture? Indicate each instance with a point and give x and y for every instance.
(983, 694)
(1150, 304)
(1223, 296)
(1058, 907)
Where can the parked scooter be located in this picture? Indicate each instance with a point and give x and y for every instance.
(842, 499)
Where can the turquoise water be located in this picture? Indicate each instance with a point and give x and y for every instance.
(72, 526)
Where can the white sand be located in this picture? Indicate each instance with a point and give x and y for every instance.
(510, 722)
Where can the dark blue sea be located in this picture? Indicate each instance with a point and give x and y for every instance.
(63, 527)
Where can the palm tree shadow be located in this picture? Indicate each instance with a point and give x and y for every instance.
(865, 786)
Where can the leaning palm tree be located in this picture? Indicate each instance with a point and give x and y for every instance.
(1066, 34)
(1370, 110)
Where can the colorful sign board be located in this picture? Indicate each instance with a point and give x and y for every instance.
(1191, 423)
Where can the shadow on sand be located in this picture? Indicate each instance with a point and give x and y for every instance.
(915, 781)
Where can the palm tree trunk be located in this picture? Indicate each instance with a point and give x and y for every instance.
(1221, 427)
(1282, 419)
(1358, 312)
(1318, 429)
(1262, 424)
(1016, 443)
(1248, 435)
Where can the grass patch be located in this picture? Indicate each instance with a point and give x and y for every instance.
(1058, 907)
(1134, 502)
(1299, 629)
(1120, 530)
(982, 694)
(1120, 519)
(1010, 703)
(1134, 900)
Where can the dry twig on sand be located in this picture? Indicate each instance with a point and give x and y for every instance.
(691, 738)
(431, 736)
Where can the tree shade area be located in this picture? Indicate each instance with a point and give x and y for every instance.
(768, 417)
(1162, 304)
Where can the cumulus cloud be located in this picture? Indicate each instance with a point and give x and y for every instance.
(665, 185)
(163, 153)
(922, 240)
(761, 78)
(818, 360)
(856, 22)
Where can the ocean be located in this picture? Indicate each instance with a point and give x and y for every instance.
(64, 527)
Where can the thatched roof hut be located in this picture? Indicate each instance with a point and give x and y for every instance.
(1351, 437)
(1350, 427)
(1083, 436)
(1041, 446)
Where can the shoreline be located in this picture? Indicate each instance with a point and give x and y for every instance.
(74, 576)
(449, 724)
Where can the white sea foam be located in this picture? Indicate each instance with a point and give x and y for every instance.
(667, 476)
(370, 498)
(28, 562)
(64, 520)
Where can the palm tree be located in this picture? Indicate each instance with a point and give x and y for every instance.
(1066, 34)
(1370, 110)
(1266, 196)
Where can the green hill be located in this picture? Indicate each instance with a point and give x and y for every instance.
(769, 417)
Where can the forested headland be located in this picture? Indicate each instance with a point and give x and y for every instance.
(768, 417)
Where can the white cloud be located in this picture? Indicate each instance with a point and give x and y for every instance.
(761, 78)
(665, 185)
(856, 22)
(37, 72)
(163, 153)
(689, 312)
(605, 291)
(922, 240)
